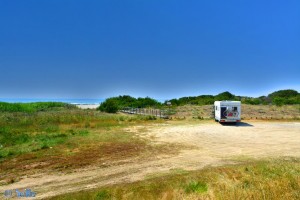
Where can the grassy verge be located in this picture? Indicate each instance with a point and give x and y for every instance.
(64, 139)
(29, 132)
(33, 107)
(272, 179)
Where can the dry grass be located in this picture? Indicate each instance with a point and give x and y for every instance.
(265, 112)
(80, 139)
(272, 179)
(271, 112)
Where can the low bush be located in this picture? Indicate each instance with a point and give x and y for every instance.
(112, 105)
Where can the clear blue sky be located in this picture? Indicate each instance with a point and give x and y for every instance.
(157, 48)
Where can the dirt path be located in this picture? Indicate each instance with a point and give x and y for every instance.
(208, 144)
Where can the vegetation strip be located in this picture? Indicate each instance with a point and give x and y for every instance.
(271, 179)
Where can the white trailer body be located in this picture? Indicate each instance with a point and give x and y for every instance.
(227, 111)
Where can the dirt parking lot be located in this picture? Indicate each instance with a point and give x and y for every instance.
(200, 145)
(213, 141)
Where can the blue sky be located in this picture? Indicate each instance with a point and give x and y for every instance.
(162, 49)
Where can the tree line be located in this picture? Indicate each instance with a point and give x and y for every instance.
(279, 98)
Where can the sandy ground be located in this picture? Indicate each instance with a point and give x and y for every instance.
(207, 144)
(88, 106)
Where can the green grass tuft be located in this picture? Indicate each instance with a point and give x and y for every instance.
(102, 195)
(195, 186)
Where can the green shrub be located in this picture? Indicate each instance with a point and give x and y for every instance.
(112, 105)
(150, 117)
(109, 106)
(197, 187)
(278, 101)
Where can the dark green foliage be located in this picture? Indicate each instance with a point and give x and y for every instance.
(252, 101)
(32, 107)
(225, 96)
(279, 98)
(285, 97)
(278, 101)
(284, 94)
(199, 100)
(265, 100)
(174, 102)
(146, 102)
(112, 105)
(203, 99)
(282, 97)
(149, 117)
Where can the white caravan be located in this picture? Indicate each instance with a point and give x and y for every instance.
(227, 111)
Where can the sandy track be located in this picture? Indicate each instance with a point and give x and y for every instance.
(207, 145)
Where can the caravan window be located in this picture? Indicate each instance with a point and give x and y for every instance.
(234, 108)
(216, 107)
